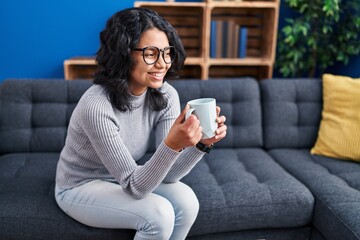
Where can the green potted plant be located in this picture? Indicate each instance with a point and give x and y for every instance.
(322, 33)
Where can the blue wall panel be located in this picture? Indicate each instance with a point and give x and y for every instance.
(37, 36)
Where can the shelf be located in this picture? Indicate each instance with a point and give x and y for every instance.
(193, 23)
(261, 33)
(188, 20)
(80, 61)
(244, 4)
(170, 4)
(79, 68)
(192, 71)
(257, 72)
(240, 61)
(194, 61)
(259, 17)
(237, 1)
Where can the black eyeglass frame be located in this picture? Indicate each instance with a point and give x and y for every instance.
(172, 48)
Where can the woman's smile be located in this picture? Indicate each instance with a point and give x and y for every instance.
(157, 75)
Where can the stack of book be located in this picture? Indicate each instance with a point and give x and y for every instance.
(228, 39)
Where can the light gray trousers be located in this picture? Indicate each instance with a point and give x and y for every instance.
(166, 213)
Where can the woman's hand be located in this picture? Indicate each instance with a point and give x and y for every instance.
(184, 133)
(220, 132)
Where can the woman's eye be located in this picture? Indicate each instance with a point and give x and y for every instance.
(150, 55)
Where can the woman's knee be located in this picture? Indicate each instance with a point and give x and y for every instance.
(161, 220)
(184, 200)
(189, 203)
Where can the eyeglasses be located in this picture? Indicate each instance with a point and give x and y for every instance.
(151, 54)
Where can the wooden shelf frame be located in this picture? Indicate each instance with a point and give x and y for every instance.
(192, 20)
(79, 68)
(264, 58)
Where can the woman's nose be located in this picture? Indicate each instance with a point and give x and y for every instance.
(160, 63)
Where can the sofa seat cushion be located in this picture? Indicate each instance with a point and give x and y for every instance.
(27, 205)
(238, 190)
(335, 185)
(244, 189)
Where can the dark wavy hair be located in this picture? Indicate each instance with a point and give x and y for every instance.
(119, 38)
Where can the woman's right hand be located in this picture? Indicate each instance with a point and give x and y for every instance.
(184, 133)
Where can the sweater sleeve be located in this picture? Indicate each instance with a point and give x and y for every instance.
(184, 164)
(190, 156)
(100, 125)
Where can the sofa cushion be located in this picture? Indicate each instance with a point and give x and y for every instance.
(259, 234)
(339, 134)
(27, 204)
(34, 114)
(235, 196)
(239, 102)
(335, 185)
(243, 189)
(291, 112)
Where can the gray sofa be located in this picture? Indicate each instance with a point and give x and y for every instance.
(260, 182)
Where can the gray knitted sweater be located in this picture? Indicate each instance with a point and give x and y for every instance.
(104, 143)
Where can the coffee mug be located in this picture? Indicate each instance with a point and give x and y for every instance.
(205, 110)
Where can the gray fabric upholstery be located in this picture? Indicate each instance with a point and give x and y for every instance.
(35, 114)
(238, 183)
(291, 112)
(239, 102)
(258, 183)
(259, 234)
(291, 115)
(241, 189)
(336, 186)
(28, 210)
(316, 235)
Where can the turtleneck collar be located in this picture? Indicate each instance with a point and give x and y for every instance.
(137, 99)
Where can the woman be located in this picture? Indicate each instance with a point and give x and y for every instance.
(98, 181)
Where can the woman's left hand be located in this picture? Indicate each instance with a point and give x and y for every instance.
(220, 132)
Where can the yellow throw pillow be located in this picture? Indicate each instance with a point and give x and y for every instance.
(339, 133)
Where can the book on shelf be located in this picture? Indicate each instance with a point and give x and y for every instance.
(219, 39)
(243, 32)
(228, 39)
(224, 39)
(236, 40)
(213, 33)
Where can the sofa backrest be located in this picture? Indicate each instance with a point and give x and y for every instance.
(34, 114)
(239, 100)
(291, 112)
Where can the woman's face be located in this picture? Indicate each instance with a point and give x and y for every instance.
(144, 75)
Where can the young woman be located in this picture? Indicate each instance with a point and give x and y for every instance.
(98, 181)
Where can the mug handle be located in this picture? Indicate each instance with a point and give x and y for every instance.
(189, 112)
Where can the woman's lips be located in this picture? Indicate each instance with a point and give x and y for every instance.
(157, 75)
